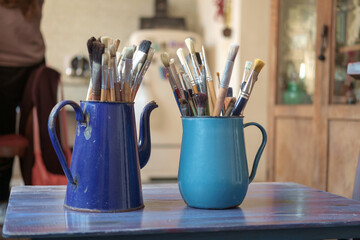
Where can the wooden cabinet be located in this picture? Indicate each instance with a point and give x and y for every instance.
(314, 107)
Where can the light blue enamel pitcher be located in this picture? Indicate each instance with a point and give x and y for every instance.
(213, 171)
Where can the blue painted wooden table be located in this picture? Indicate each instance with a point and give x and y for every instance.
(270, 211)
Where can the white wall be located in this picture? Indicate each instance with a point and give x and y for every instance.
(250, 28)
(67, 24)
(255, 30)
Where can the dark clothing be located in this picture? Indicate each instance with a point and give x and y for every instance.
(12, 84)
(41, 92)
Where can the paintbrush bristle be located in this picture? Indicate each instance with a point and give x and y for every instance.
(144, 46)
(248, 65)
(90, 44)
(258, 65)
(116, 44)
(181, 55)
(112, 50)
(165, 59)
(190, 45)
(150, 54)
(98, 50)
(182, 101)
(201, 99)
(234, 48)
(129, 52)
(106, 40)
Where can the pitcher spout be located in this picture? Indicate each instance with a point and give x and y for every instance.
(144, 144)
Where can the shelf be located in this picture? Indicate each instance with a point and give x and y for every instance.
(352, 48)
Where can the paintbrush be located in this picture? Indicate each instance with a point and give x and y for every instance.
(140, 54)
(98, 50)
(121, 62)
(181, 55)
(105, 75)
(209, 78)
(191, 47)
(218, 79)
(224, 84)
(201, 99)
(90, 51)
(112, 79)
(184, 107)
(247, 68)
(176, 95)
(203, 83)
(185, 79)
(117, 83)
(187, 89)
(196, 68)
(229, 96)
(230, 107)
(165, 59)
(126, 73)
(141, 73)
(246, 91)
(176, 77)
(107, 41)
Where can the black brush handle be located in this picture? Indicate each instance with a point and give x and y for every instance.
(239, 106)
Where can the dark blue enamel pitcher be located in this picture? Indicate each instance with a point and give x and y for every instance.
(104, 175)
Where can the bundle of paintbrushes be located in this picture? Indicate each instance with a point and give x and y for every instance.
(116, 76)
(193, 87)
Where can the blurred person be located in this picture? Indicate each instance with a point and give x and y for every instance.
(22, 50)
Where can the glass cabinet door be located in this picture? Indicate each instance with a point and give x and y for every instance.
(297, 53)
(346, 90)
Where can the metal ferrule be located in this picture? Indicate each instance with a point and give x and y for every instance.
(126, 71)
(188, 73)
(142, 72)
(115, 72)
(225, 80)
(250, 83)
(104, 77)
(186, 79)
(244, 95)
(96, 78)
(138, 58)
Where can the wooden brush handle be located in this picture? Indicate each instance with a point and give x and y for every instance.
(127, 92)
(112, 95)
(194, 87)
(89, 93)
(108, 95)
(212, 91)
(103, 95)
(219, 102)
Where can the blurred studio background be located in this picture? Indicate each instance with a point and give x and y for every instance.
(66, 26)
(306, 98)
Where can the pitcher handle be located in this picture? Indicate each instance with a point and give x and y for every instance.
(53, 137)
(260, 150)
